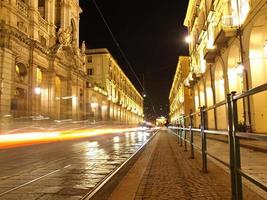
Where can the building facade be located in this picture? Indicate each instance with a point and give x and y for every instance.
(180, 97)
(42, 68)
(123, 102)
(228, 52)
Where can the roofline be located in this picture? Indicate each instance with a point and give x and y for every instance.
(106, 51)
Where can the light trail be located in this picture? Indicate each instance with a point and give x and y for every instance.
(31, 138)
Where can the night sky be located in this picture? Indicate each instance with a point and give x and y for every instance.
(150, 33)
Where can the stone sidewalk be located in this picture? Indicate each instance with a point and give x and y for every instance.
(165, 171)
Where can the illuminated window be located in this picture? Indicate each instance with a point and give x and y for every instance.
(240, 10)
(90, 71)
(39, 76)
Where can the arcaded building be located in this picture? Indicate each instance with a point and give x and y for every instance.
(123, 102)
(42, 68)
(228, 52)
(180, 96)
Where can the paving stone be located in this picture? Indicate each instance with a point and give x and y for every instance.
(172, 175)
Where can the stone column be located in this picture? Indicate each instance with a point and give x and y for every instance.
(34, 19)
(7, 63)
(50, 14)
(51, 83)
(44, 93)
(108, 111)
(34, 99)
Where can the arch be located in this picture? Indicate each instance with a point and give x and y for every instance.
(235, 77)
(202, 93)
(197, 104)
(219, 82)
(258, 71)
(210, 101)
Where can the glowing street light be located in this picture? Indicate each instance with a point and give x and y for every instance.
(94, 104)
(37, 90)
(239, 69)
(188, 39)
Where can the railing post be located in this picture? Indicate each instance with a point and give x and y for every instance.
(203, 140)
(181, 134)
(236, 148)
(184, 131)
(177, 131)
(191, 135)
(231, 147)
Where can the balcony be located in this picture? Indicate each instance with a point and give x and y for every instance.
(210, 54)
(224, 31)
(43, 24)
(23, 8)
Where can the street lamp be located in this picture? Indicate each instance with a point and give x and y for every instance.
(239, 69)
(37, 90)
(188, 39)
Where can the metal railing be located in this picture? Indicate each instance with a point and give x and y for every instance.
(234, 165)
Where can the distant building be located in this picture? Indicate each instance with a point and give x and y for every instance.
(228, 52)
(180, 97)
(161, 121)
(121, 100)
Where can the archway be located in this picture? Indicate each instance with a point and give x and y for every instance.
(210, 101)
(19, 102)
(19, 105)
(235, 74)
(197, 105)
(258, 70)
(220, 96)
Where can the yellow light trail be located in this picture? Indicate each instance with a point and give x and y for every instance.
(30, 138)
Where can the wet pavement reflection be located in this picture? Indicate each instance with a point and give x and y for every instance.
(64, 170)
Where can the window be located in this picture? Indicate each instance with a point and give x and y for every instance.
(41, 8)
(57, 13)
(89, 59)
(38, 76)
(90, 71)
(21, 71)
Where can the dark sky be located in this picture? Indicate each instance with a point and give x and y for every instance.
(151, 34)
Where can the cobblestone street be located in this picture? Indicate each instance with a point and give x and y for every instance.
(171, 175)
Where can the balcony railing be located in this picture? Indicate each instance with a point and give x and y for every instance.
(43, 23)
(23, 8)
(186, 129)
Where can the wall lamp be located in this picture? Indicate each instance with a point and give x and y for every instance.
(265, 48)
